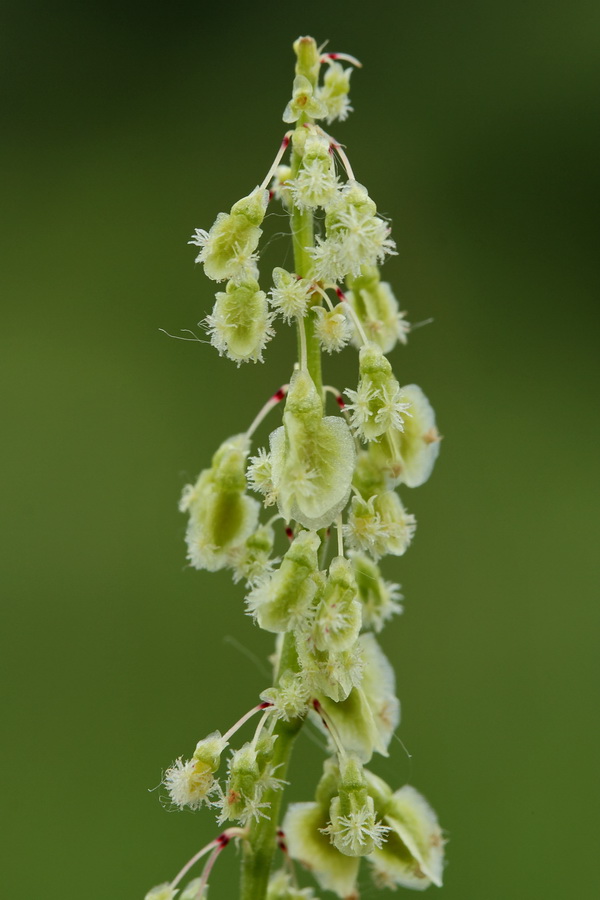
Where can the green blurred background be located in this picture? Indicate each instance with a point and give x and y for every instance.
(124, 127)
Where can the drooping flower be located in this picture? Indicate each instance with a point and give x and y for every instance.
(332, 328)
(221, 514)
(240, 323)
(290, 296)
(227, 251)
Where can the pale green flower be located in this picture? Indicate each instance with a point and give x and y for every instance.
(355, 236)
(303, 102)
(221, 514)
(282, 601)
(312, 458)
(379, 598)
(303, 826)
(379, 526)
(332, 328)
(290, 296)
(228, 249)
(338, 617)
(354, 828)
(240, 323)
(376, 307)
(379, 404)
(334, 92)
(316, 184)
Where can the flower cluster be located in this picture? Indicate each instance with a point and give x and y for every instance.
(317, 472)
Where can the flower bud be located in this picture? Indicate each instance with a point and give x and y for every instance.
(240, 323)
(227, 250)
(377, 310)
(221, 514)
(312, 458)
(208, 751)
(191, 891)
(284, 600)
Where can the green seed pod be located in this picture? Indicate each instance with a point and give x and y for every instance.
(312, 458)
(283, 601)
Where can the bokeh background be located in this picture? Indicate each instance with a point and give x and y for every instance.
(125, 126)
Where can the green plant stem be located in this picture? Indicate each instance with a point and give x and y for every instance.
(259, 847)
